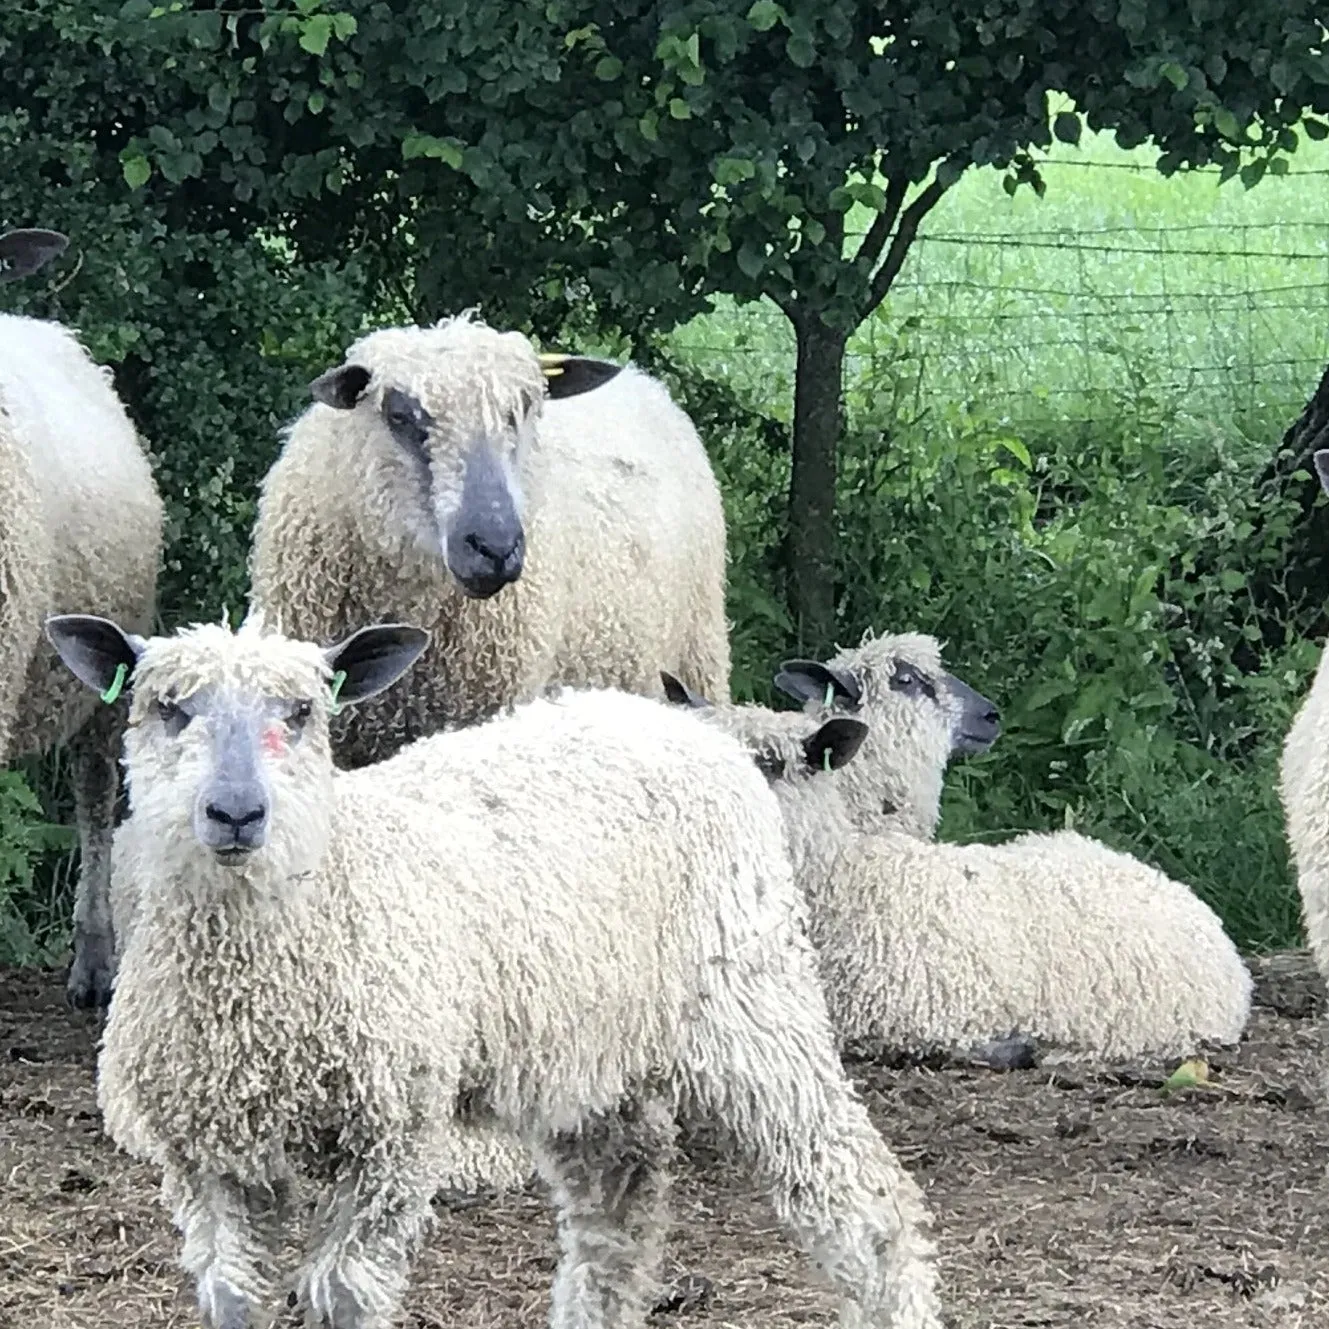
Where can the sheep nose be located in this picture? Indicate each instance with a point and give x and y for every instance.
(240, 813)
(503, 551)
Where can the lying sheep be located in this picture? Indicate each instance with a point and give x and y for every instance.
(928, 947)
(1304, 786)
(579, 540)
(82, 524)
(581, 925)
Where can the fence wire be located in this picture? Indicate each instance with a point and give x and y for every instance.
(1231, 317)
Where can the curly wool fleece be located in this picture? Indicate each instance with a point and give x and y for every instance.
(625, 536)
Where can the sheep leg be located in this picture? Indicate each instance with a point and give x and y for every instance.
(367, 1226)
(765, 1069)
(94, 753)
(610, 1183)
(231, 1239)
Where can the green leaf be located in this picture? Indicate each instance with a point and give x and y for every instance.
(751, 259)
(765, 14)
(1278, 166)
(1174, 74)
(730, 170)
(1231, 580)
(136, 169)
(1252, 173)
(316, 101)
(1066, 126)
(1226, 124)
(608, 68)
(1315, 129)
(679, 109)
(1018, 450)
(1010, 184)
(316, 34)
(447, 150)
(800, 50)
(344, 26)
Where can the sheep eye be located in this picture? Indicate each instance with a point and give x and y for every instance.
(172, 716)
(907, 679)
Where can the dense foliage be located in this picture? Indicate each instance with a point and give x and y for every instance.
(247, 185)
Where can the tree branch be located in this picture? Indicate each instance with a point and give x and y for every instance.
(903, 238)
(878, 233)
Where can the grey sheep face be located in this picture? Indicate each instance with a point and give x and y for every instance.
(227, 749)
(921, 716)
(1321, 460)
(455, 409)
(24, 252)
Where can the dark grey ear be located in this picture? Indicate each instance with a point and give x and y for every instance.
(678, 692)
(1321, 460)
(571, 375)
(835, 743)
(808, 680)
(341, 387)
(23, 252)
(373, 659)
(93, 650)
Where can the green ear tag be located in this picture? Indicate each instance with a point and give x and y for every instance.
(112, 693)
(830, 695)
(334, 707)
(826, 759)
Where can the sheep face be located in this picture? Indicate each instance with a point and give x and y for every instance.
(452, 413)
(227, 759)
(920, 715)
(24, 252)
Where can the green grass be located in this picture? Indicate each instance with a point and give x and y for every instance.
(1117, 282)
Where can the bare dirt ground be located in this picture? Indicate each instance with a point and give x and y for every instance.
(1071, 1195)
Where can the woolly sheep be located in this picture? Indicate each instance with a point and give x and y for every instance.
(1304, 787)
(930, 947)
(579, 540)
(582, 925)
(82, 524)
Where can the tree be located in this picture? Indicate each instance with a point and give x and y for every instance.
(668, 150)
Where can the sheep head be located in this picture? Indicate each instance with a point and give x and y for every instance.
(450, 412)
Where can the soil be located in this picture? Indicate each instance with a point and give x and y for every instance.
(1072, 1194)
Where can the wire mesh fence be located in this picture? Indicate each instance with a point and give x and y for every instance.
(1227, 315)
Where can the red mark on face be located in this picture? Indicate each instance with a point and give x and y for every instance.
(274, 740)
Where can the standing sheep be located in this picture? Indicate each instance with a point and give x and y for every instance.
(82, 524)
(926, 946)
(1304, 786)
(579, 540)
(581, 925)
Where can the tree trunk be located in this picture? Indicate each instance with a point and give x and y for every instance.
(812, 537)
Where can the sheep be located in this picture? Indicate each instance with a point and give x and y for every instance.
(580, 927)
(83, 521)
(972, 949)
(575, 541)
(1304, 789)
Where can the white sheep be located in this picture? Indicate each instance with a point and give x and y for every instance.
(82, 525)
(575, 540)
(1304, 787)
(580, 925)
(929, 947)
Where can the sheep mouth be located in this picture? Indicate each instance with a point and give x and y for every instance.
(232, 855)
(970, 744)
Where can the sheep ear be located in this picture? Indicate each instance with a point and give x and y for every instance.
(571, 375)
(835, 743)
(679, 694)
(1321, 460)
(373, 659)
(94, 651)
(341, 387)
(24, 252)
(809, 680)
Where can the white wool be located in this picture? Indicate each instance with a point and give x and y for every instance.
(577, 919)
(81, 534)
(625, 537)
(1304, 787)
(929, 946)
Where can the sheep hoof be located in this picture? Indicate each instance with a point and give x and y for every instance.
(1017, 1053)
(91, 977)
(688, 1292)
